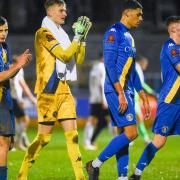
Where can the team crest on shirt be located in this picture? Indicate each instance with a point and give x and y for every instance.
(49, 37)
(111, 38)
(129, 117)
(165, 129)
(174, 52)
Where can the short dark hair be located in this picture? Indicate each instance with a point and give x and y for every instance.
(2, 21)
(131, 4)
(172, 19)
(49, 3)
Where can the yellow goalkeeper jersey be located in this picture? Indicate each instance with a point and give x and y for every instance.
(47, 49)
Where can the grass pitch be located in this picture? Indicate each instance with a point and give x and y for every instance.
(54, 164)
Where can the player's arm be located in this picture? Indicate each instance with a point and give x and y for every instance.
(142, 94)
(174, 57)
(110, 57)
(80, 54)
(54, 47)
(22, 60)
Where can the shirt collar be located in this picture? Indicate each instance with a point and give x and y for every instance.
(122, 26)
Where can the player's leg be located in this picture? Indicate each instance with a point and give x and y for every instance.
(4, 148)
(91, 123)
(67, 117)
(43, 137)
(7, 131)
(22, 122)
(71, 134)
(24, 137)
(21, 138)
(148, 155)
(126, 120)
(101, 124)
(88, 130)
(118, 146)
(122, 158)
(166, 123)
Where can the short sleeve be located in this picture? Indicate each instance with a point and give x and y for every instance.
(111, 40)
(173, 54)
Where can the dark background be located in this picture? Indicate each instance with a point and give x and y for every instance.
(25, 16)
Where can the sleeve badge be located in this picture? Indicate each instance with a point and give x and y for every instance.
(111, 39)
(174, 52)
(49, 37)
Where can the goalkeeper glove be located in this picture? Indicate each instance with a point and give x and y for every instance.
(81, 28)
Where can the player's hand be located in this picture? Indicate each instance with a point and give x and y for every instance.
(88, 27)
(81, 27)
(147, 110)
(123, 104)
(24, 58)
(146, 105)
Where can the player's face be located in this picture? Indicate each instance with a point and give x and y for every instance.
(3, 33)
(57, 13)
(177, 30)
(135, 17)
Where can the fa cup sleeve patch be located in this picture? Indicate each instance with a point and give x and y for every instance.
(50, 37)
(174, 52)
(111, 39)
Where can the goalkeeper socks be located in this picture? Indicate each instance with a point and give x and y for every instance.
(74, 153)
(122, 158)
(3, 172)
(147, 156)
(143, 131)
(32, 154)
(116, 144)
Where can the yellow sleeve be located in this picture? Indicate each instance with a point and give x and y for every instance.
(53, 46)
(80, 55)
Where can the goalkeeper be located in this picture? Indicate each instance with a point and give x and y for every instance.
(56, 59)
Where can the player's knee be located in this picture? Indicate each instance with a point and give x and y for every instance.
(4, 144)
(44, 139)
(132, 135)
(159, 141)
(72, 136)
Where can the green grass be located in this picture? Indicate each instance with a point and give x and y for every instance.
(54, 164)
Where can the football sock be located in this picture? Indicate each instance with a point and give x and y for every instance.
(32, 154)
(115, 145)
(97, 163)
(74, 153)
(122, 158)
(146, 157)
(88, 132)
(3, 172)
(123, 178)
(143, 131)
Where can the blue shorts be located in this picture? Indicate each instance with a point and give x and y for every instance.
(7, 122)
(118, 119)
(167, 120)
